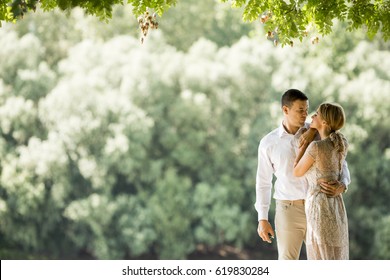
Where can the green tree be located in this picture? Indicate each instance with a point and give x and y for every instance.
(104, 166)
(286, 19)
(192, 19)
(382, 242)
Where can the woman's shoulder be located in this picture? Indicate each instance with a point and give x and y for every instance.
(323, 144)
(313, 148)
(321, 141)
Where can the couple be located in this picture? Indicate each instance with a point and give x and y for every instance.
(310, 178)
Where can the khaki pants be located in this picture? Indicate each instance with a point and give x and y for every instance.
(290, 228)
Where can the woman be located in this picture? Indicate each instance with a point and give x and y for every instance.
(327, 224)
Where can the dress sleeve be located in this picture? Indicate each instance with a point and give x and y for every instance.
(312, 149)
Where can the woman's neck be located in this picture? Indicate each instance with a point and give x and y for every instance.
(324, 133)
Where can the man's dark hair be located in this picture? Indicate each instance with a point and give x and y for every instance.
(291, 95)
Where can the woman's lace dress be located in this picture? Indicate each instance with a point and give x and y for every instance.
(327, 224)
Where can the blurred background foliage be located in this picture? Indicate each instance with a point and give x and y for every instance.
(115, 150)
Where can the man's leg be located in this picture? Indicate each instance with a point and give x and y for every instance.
(290, 227)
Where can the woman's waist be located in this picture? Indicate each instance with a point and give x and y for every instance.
(326, 179)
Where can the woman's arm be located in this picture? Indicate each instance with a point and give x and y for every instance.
(303, 165)
(304, 141)
(301, 151)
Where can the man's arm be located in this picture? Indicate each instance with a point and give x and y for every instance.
(335, 188)
(263, 182)
(263, 193)
(345, 176)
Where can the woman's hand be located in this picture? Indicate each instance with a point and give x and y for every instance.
(307, 137)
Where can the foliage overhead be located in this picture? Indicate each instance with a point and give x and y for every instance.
(113, 150)
(284, 20)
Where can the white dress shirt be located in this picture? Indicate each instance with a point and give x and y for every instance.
(276, 155)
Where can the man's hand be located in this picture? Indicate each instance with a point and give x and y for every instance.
(332, 188)
(265, 231)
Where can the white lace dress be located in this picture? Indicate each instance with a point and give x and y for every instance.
(327, 223)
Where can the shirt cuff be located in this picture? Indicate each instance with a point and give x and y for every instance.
(262, 216)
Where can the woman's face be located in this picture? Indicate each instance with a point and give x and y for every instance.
(317, 120)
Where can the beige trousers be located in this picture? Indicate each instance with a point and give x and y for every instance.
(290, 228)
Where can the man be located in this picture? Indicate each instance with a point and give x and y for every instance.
(276, 155)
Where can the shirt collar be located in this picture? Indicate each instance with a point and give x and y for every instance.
(282, 131)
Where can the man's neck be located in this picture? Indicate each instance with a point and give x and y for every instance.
(290, 129)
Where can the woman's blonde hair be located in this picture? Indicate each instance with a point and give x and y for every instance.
(334, 116)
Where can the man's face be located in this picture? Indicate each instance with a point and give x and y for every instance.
(296, 114)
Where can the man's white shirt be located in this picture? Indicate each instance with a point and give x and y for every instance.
(276, 155)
